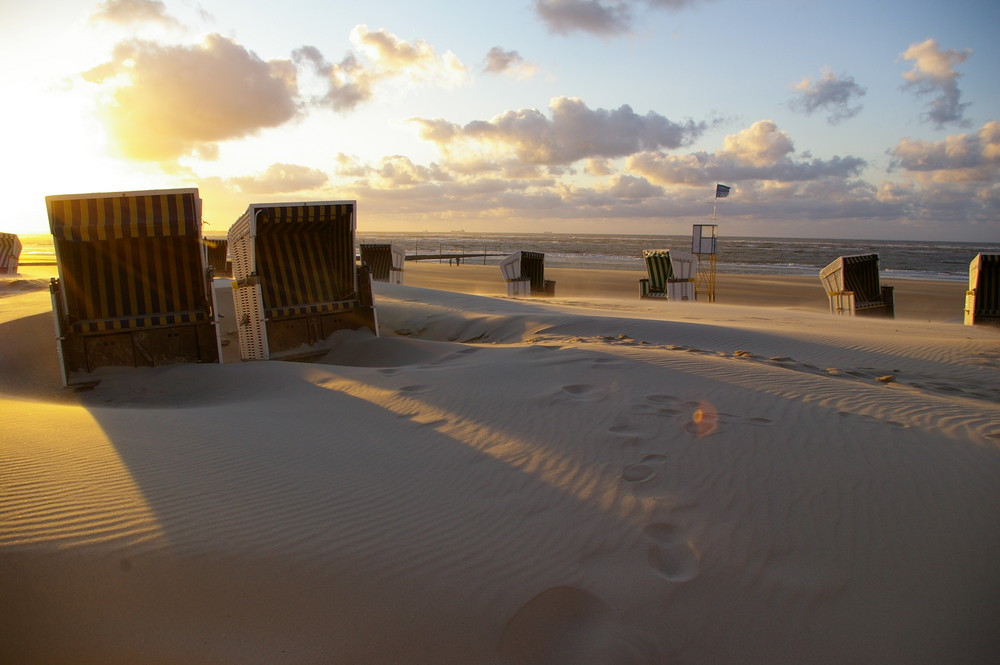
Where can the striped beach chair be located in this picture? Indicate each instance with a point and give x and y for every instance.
(217, 253)
(982, 300)
(524, 273)
(295, 277)
(10, 253)
(670, 274)
(384, 261)
(853, 286)
(133, 288)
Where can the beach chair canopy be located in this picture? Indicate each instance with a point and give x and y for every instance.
(983, 296)
(384, 261)
(296, 275)
(128, 262)
(10, 253)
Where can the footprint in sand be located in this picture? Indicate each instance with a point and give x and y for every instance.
(643, 470)
(670, 553)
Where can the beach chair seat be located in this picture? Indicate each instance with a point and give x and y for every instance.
(982, 300)
(384, 261)
(670, 274)
(133, 287)
(10, 253)
(524, 274)
(295, 277)
(853, 287)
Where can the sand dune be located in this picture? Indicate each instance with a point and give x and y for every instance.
(586, 479)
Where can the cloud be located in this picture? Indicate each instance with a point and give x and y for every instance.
(378, 56)
(760, 152)
(280, 179)
(573, 132)
(957, 158)
(126, 12)
(829, 94)
(933, 73)
(499, 61)
(170, 101)
(604, 18)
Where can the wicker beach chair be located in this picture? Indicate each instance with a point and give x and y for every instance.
(852, 284)
(295, 277)
(982, 300)
(384, 261)
(10, 253)
(670, 274)
(133, 288)
(217, 253)
(524, 273)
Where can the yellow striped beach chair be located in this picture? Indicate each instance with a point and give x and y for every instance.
(217, 253)
(982, 300)
(295, 277)
(853, 287)
(133, 288)
(10, 253)
(384, 261)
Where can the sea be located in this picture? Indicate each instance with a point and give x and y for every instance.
(898, 259)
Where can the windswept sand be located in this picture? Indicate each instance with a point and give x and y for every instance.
(571, 481)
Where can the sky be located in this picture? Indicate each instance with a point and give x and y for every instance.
(828, 118)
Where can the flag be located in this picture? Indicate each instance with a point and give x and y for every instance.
(722, 191)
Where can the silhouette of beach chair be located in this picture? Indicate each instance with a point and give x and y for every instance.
(133, 288)
(670, 274)
(524, 273)
(217, 253)
(295, 278)
(982, 300)
(852, 284)
(384, 261)
(10, 253)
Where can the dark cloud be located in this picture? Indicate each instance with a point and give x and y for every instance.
(605, 18)
(126, 12)
(933, 74)
(178, 100)
(281, 179)
(829, 94)
(573, 132)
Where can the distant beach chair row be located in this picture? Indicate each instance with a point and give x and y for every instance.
(10, 253)
(135, 285)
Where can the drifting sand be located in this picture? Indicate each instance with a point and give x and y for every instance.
(585, 479)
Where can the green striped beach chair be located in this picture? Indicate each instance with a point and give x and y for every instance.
(982, 300)
(524, 274)
(853, 287)
(133, 288)
(295, 277)
(670, 274)
(10, 253)
(384, 261)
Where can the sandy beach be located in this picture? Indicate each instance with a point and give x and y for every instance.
(589, 478)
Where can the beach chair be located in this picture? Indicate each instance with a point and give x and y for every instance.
(295, 278)
(670, 274)
(133, 288)
(982, 300)
(217, 254)
(384, 261)
(10, 253)
(852, 284)
(524, 273)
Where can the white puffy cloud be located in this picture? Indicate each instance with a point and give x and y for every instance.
(170, 101)
(961, 157)
(830, 94)
(933, 73)
(127, 12)
(499, 61)
(572, 132)
(281, 178)
(378, 56)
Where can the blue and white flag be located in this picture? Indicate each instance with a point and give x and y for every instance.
(722, 191)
